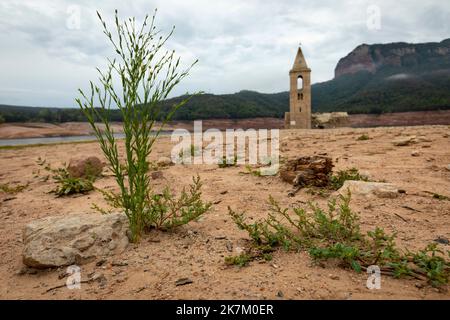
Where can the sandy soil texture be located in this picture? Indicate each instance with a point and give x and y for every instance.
(150, 269)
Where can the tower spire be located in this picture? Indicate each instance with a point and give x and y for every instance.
(299, 62)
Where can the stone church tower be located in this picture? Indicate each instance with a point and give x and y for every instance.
(299, 116)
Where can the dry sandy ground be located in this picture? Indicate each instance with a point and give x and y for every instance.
(197, 251)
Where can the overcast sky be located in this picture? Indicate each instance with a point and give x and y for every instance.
(51, 48)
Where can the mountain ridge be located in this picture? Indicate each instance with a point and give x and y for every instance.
(377, 78)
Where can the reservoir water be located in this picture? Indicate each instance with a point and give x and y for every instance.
(50, 140)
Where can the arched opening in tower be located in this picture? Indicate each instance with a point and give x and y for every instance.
(300, 88)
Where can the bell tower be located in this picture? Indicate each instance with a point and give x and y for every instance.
(299, 116)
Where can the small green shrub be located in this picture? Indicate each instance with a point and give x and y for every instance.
(440, 196)
(164, 211)
(251, 171)
(224, 163)
(194, 150)
(337, 180)
(335, 234)
(241, 260)
(363, 137)
(7, 188)
(66, 184)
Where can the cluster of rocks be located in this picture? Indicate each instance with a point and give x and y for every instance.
(329, 120)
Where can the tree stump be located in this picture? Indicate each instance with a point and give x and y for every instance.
(307, 171)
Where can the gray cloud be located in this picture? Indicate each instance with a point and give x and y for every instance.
(240, 45)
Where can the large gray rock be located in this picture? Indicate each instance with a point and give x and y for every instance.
(369, 189)
(76, 239)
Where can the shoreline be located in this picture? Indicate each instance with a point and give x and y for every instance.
(78, 129)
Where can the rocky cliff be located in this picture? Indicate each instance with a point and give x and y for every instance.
(372, 58)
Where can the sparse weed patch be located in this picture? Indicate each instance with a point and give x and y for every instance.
(66, 184)
(164, 211)
(440, 197)
(363, 137)
(334, 234)
(241, 260)
(251, 171)
(7, 188)
(337, 180)
(224, 163)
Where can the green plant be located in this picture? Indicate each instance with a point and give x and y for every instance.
(440, 196)
(431, 262)
(66, 184)
(224, 163)
(194, 150)
(69, 185)
(337, 180)
(363, 137)
(241, 260)
(6, 188)
(164, 211)
(146, 76)
(251, 171)
(335, 234)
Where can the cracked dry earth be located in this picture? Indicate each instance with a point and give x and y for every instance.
(150, 269)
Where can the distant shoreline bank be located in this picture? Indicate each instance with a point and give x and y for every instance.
(71, 129)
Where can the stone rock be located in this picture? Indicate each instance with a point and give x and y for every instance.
(448, 167)
(183, 282)
(164, 162)
(329, 120)
(365, 174)
(86, 167)
(415, 153)
(75, 239)
(378, 189)
(423, 139)
(157, 175)
(442, 240)
(307, 171)
(404, 141)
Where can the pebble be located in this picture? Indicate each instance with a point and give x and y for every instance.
(119, 263)
(442, 240)
(157, 175)
(100, 262)
(183, 281)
